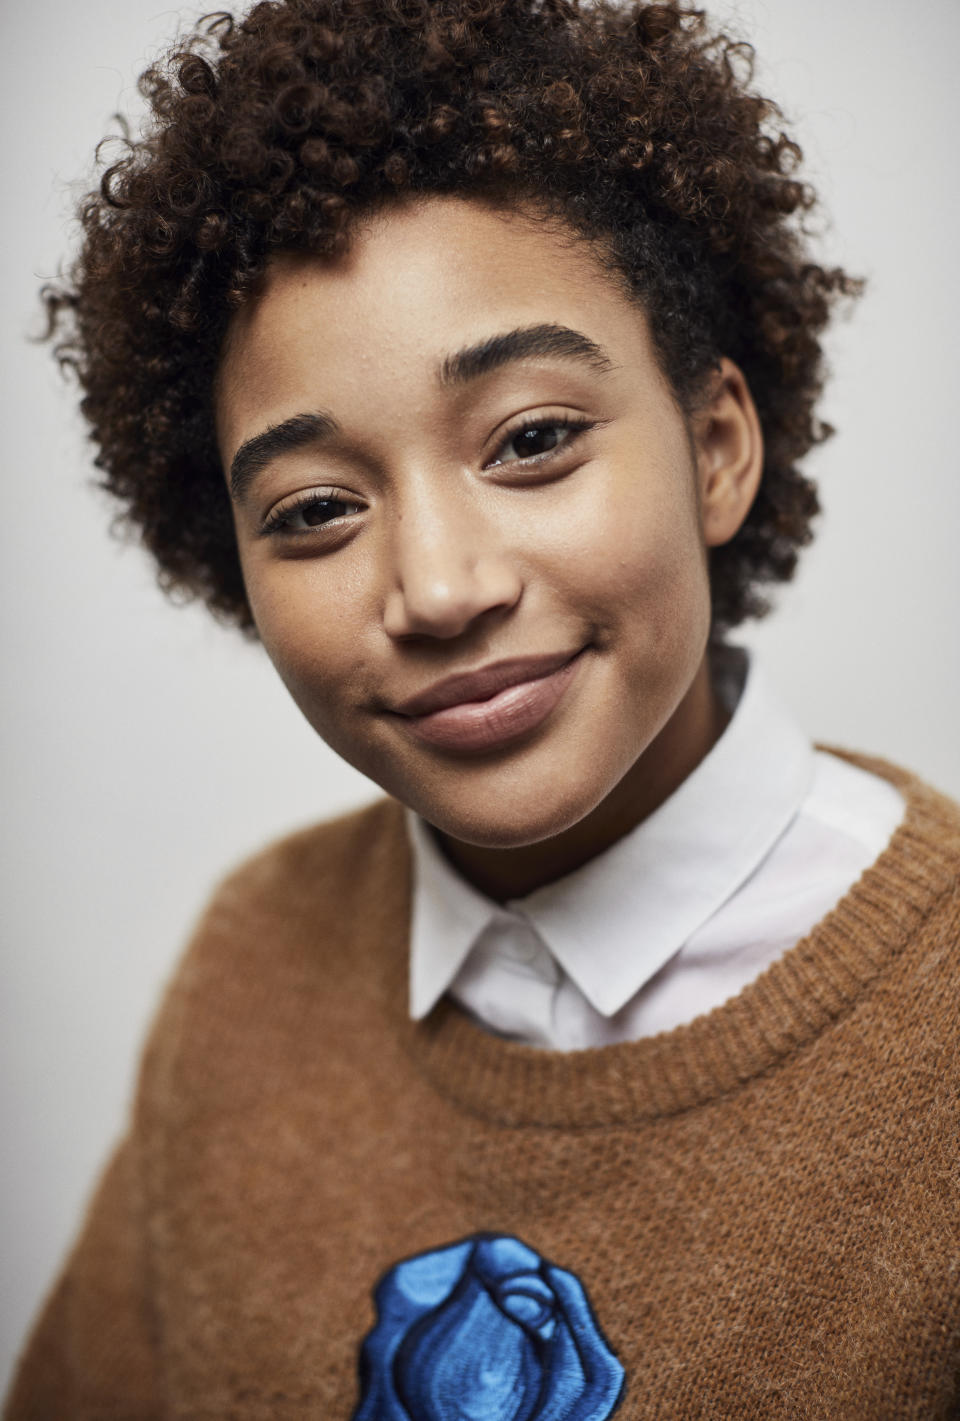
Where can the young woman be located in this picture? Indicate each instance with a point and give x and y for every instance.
(465, 353)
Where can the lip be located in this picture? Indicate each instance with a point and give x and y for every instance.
(486, 709)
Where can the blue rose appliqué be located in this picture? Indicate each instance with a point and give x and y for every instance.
(485, 1330)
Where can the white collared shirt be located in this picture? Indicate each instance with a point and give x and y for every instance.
(744, 858)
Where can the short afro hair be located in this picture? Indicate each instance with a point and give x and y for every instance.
(633, 122)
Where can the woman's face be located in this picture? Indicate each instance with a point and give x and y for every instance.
(473, 520)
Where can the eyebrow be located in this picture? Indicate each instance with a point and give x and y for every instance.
(471, 363)
(525, 343)
(256, 453)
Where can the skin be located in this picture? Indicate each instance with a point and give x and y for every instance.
(447, 551)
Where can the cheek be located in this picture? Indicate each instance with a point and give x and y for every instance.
(666, 587)
(308, 624)
(646, 570)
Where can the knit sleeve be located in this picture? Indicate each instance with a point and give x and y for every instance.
(93, 1350)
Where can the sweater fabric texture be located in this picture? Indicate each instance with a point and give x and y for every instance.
(323, 1209)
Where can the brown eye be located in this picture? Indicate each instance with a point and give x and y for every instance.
(311, 511)
(537, 440)
(323, 510)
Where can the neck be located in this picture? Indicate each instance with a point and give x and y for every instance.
(690, 733)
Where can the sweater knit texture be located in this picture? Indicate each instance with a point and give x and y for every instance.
(759, 1211)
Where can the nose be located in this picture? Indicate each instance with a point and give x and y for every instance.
(448, 570)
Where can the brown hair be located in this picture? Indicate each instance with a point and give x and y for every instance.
(633, 122)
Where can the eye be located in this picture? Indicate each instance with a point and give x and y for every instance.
(308, 511)
(538, 438)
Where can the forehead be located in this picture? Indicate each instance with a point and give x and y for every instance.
(417, 282)
(416, 249)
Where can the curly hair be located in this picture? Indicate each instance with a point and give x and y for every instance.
(633, 122)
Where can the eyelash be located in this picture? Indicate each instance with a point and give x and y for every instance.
(573, 425)
(277, 521)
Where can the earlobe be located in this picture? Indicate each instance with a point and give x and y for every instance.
(729, 444)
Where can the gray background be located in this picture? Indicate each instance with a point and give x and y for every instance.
(145, 749)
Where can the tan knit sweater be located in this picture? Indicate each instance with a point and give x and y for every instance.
(756, 1215)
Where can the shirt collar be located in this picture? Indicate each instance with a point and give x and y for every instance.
(613, 923)
(447, 917)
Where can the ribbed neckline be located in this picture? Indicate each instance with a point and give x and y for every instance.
(789, 1004)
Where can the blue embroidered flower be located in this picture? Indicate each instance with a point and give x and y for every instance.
(485, 1330)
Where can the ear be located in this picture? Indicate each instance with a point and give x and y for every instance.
(729, 448)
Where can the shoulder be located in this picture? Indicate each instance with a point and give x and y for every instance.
(280, 942)
(927, 808)
(901, 920)
(309, 885)
(319, 858)
(919, 871)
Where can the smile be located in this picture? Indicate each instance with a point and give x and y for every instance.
(490, 708)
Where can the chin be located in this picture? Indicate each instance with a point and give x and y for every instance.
(509, 823)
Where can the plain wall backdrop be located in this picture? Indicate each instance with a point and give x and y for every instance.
(146, 749)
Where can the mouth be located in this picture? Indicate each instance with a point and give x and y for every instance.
(486, 709)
